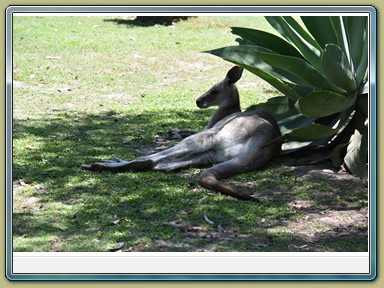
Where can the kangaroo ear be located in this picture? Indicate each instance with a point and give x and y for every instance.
(234, 74)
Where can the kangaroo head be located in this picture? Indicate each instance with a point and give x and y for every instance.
(223, 93)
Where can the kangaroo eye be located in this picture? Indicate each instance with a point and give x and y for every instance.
(214, 92)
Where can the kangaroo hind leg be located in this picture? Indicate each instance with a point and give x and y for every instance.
(210, 179)
(247, 161)
(193, 145)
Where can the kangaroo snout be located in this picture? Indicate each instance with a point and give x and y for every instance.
(201, 103)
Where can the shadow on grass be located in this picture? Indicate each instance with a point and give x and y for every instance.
(147, 21)
(85, 211)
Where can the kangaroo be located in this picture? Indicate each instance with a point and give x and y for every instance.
(235, 144)
(224, 95)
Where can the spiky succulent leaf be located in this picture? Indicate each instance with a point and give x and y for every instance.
(321, 29)
(296, 35)
(355, 27)
(337, 68)
(308, 76)
(357, 151)
(267, 40)
(324, 103)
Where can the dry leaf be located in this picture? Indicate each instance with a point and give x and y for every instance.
(117, 247)
(116, 222)
(41, 191)
(208, 220)
(343, 234)
(30, 147)
(260, 245)
(32, 200)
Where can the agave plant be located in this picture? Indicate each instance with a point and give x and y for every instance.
(321, 68)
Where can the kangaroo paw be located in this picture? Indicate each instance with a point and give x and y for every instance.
(119, 165)
(174, 134)
(180, 134)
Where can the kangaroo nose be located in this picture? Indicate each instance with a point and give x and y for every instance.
(199, 103)
(203, 101)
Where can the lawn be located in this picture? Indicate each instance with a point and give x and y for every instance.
(89, 88)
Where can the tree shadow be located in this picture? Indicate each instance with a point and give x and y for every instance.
(147, 21)
(141, 208)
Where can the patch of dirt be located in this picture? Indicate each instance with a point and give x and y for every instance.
(16, 83)
(57, 243)
(19, 84)
(315, 227)
(211, 235)
(192, 66)
(119, 97)
(346, 217)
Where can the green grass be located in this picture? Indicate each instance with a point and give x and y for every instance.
(88, 88)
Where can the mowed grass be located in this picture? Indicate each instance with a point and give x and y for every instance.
(89, 88)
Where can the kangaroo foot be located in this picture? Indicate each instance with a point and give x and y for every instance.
(210, 182)
(235, 193)
(117, 164)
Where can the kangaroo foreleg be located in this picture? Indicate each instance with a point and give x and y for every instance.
(177, 134)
